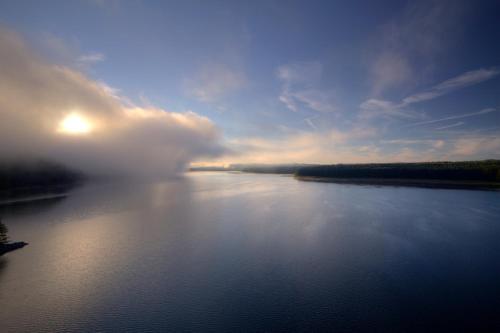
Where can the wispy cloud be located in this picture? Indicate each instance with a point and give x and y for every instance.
(373, 108)
(309, 121)
(357, 145)
(333, 146)
(464, 80)
(378, 107)
(67, 52)
(301, 88)
(476, 147)
(307, 73)
(388, 70)
(214, 82)
(413, 142)
(460, 123)
(460, 116)
(411, 40)
(316, 99)
(288, 99)
(91, 58)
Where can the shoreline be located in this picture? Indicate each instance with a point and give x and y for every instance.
(402, 182)
(6, 248)
(20, 200)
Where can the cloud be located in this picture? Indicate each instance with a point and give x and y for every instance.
(436, 144)
(215, 81)
(464, 80)
(374, 107)
(460, 116)
(356, 145)
(333, 146)
(91, 58)
(301, 88)
(476, 147)
(449, 149)
(389, 70)
(414, 39)
(315, 99)
(307, 73)
(460, 123)
(309, 121)
(66, 52)
(118, 138)
(289, 100)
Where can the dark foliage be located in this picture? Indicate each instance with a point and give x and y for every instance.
(483, 171)
(5, 246)
(36, 174)
(4, 239)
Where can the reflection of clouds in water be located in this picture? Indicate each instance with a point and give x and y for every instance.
(177, 248)
(226, 185)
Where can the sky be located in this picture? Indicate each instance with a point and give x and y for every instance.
(253, 81)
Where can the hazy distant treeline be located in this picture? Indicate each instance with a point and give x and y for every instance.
(256, 168)
(483, 171)
(268, 168)
(488, 171)
(36, 174)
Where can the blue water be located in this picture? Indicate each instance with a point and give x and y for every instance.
(229, 252)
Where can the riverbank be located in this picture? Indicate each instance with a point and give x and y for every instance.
(425, 183)
(24, 179)
(32, 198)
(5, 248)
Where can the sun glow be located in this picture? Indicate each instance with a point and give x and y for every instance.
(74, 124)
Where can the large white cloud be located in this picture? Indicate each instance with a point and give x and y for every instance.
(35, 96)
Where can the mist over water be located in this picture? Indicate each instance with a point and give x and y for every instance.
(59, 114)
(246, 252)
(106, 105)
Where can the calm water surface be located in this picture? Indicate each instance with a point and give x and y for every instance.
(244, 252)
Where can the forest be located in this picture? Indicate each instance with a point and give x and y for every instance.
(36, 174)
(477, 171)
(256, 168)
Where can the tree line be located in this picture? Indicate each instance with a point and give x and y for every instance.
(36, 174)
(487, 170)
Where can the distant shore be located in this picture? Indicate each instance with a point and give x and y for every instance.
(30, 198)
(36, 179)
(426, 183)
(478, 175)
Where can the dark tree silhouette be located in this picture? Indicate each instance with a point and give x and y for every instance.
(485, 171)
(3, 233)
(34, 174)
(5, 245)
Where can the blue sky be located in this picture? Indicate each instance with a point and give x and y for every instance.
(293, 81)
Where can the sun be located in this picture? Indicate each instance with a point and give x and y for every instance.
(74, 124)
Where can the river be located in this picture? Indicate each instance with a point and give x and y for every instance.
(232, 252)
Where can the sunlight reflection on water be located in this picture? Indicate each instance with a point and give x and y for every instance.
(222, 252)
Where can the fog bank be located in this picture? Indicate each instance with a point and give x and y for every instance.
(57, 113)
